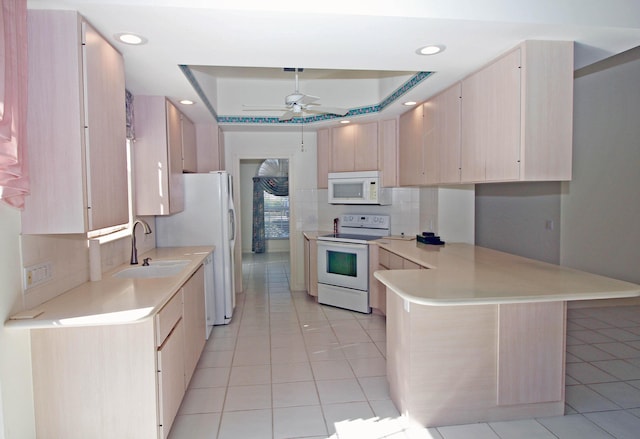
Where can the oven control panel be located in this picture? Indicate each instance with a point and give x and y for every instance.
(365, 221)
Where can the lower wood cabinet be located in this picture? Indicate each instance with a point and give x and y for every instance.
(311, 266)
(194, 323)
(171, 373)
(120, 380)
(383, 259)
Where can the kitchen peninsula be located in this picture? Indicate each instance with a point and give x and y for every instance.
(478, 335)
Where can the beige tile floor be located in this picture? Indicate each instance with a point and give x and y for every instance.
(287, 367)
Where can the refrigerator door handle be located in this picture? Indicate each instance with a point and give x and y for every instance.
(232, 223)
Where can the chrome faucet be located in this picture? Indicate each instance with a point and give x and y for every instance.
(134, 250)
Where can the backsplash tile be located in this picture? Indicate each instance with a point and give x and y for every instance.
(69, 255)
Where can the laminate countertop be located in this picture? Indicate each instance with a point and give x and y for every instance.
(114, 300)
(463, 274)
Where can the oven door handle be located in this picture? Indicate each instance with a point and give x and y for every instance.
(342, 245)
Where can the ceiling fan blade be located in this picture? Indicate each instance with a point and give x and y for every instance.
(327, 110)
(307, 99)
(263, 108)
(286, 116)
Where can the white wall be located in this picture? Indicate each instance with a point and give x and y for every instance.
(302, 184)
(514, 217)
(15, 349)
(601, 205)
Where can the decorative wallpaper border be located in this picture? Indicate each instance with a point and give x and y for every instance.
(257, 120)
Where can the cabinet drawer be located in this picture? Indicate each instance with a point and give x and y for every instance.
(168, 317)
(410, 265)
(395, 262)
(383, 258)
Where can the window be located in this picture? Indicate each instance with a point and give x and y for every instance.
(276, 216)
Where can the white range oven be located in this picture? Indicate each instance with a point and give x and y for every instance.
(343, 261)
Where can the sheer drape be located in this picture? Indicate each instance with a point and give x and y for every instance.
(14, 179)
(275, 186)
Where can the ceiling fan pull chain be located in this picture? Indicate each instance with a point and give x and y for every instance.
(302, 136)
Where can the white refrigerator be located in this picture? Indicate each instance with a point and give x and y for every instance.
(208, 218)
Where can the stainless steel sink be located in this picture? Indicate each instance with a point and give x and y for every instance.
(160, 268)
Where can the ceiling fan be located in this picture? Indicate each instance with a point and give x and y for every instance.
(297, 103)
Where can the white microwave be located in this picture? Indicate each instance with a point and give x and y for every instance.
(363, 187)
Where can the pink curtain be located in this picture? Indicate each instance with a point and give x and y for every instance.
(14, 179)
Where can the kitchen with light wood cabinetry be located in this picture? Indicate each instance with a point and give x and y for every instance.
(117, 353)
(76, 123)
(517, 116)
(189, 147)
(157, 153)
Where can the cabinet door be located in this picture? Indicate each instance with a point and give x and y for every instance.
(366, 147)
(447, 133)
(503, 150)
(388, 152)
(107, 180)
(194, 317)
(410, 148)
(324, 156)
(170, 378)
(76, 119)
(189, 148)
(475, 133)
(430, 156)
(491, 122)
(343, 148)
(174, 145)
(313, 267)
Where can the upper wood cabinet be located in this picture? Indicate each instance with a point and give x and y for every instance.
(368, 146)
(491, 122)
(354, 147)
(157, 156)
(210, 147)
(517, 115)
(388, 151)
(509, 121)
(77, 128)
(189, 146)
(445, 110)
(411, 148)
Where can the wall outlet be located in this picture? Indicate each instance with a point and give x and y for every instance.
(37, 274)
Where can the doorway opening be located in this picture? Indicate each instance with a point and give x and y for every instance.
(265, 209)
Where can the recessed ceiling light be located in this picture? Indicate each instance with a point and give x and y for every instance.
(431, 49)
(187, 102)
(345, 121)
(409, 103)
(129, 38)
